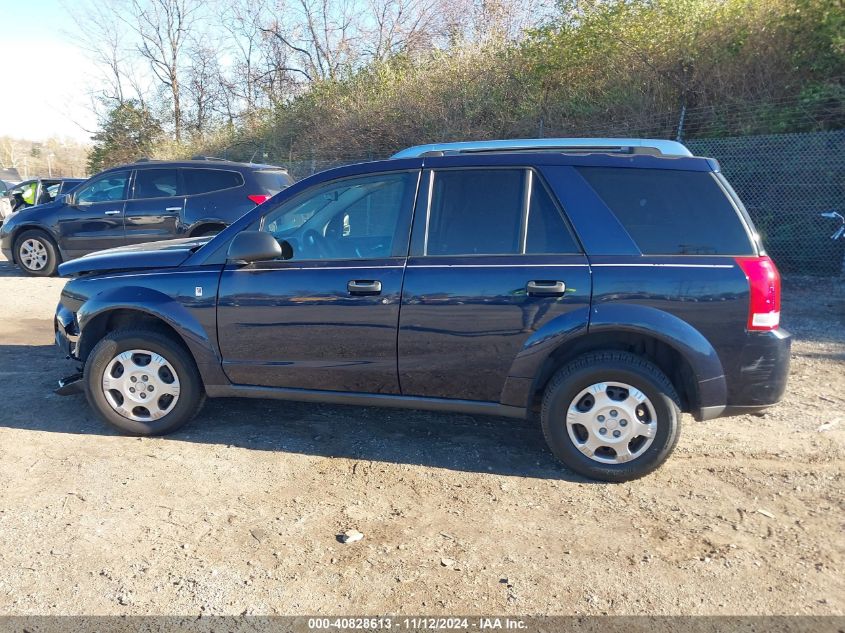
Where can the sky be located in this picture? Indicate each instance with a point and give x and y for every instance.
(46, 78)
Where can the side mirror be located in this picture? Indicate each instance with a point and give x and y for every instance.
(254, 246)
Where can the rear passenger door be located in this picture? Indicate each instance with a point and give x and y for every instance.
(154, 210)
(214, 195)
(492, 264)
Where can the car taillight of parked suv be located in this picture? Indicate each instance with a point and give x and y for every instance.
(133, 204)
(601, 286)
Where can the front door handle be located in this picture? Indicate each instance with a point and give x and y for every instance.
(546, 288)
(112, 212)
(362, 287)
(173, 209)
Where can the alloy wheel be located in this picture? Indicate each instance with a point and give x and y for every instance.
(33, 254)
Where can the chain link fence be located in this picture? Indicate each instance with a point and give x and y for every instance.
(785, 180)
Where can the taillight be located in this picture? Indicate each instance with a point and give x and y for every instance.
(764, 286)
(259, 198)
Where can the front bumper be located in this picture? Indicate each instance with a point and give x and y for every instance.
(66, 332)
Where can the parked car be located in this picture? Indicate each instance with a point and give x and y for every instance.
(132, 204)
(5, 205)
(35, 191)
(604, 286)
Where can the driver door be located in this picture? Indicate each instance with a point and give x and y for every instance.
(93, 220)
(327, 318)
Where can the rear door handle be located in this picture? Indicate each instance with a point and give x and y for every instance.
(361, 287)
(112, 212)
(546, 288)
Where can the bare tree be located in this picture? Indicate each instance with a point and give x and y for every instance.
(406, 26)
(202, 86)
(323, 38)
(101, 33)
(163, 27)
(242, 22)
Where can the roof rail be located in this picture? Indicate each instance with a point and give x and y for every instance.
(578, 145)
(201, 157)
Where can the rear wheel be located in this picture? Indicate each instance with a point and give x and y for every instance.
(36, 254)
(611, 415)
(143, 382)
(208, 231)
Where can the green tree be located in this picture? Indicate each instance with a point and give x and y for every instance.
(127, 132)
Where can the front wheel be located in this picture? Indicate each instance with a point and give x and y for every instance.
(36, 254)
(142, 382)
(611, 416)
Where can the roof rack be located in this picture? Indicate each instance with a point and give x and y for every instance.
(576, 145)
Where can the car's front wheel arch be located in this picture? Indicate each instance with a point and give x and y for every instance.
(97, 326)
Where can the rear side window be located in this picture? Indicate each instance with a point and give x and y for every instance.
(476, 212)
(272, 181)
(547, 232)
(208, 180)
(156, 183)
(669, 212)
(484, 212)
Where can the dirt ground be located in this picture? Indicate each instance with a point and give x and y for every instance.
(240, 511)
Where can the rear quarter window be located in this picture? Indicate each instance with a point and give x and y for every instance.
(671, 212)
(272, 181)
(201, 180)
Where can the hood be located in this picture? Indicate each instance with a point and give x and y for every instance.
(36, 209)
(164, 254)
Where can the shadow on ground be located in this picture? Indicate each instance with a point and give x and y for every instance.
(442, 440)
(8, 269)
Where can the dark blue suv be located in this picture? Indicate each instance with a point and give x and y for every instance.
(147, 201)
(603, 286)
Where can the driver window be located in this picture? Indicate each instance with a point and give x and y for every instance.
(354, 218)
(109, 188)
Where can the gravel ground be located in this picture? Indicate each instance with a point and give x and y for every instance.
(240, 511)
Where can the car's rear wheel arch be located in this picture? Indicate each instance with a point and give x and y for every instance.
(667, 358)
(207, 228)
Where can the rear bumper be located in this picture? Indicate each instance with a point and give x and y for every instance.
(757, 377)
(762, 371)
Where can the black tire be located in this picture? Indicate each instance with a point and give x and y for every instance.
(208, 231)
(53, 257)
(601, 367)
(191, 395)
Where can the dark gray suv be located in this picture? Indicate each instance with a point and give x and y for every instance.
(131, 204)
